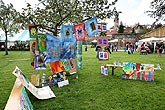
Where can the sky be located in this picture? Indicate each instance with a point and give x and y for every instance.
(133, 11)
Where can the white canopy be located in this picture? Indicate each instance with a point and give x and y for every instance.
(151, 39)
(114, 40)
(94, 41)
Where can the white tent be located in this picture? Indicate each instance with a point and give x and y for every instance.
(94, 41)
(151, 39)
(21, 36)
(163, 39)
(114, 40)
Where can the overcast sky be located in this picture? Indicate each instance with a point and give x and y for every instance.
(132, 10)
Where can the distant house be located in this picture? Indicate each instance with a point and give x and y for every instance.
(159, 32)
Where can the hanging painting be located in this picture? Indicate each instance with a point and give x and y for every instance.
(53, 48)
(42, 42)
(79, 30)
(33, 31)
(91, 27)
(104, 28)
(67, 33)
(102, 41)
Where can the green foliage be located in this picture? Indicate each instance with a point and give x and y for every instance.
(8, 20)
(91, 91)
(157, 10)
(51, 14)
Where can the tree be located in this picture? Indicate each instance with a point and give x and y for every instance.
(158, 10)
(121, 28)
(49, 15)
(8, 17)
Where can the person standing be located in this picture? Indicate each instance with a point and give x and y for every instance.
(98, 48)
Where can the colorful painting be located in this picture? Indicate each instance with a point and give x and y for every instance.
(73, 66)
(66, 64)
(79, 30)
(56, 67)
(99, 41)
(53, 48)
(35, 79)
(33, 31)
(105, 41)
(104, 28)
(104, 70)
(67, 33)
(99, 27)
(18, 99)
(25, 101)
(42, 42)
(33, 45)
(137, 71)
(39, 60)
(102, 41)
(103, 55)
(40, 93)
(91, 27)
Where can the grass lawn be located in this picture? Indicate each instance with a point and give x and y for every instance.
(91, 91)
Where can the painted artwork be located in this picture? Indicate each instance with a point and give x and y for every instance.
(40, 93)
(66, 64)
(25, 101)
(104, 28)
(35, 79)
(104, 70)
(33, 31)
(137, 71)
(67, 33)
(99, 27)
(56, 67)
(68, 50)
(53, 48)
(79, 54)
(73, 66)
(105, 41)
(99, 41)
(103, 55)
(42, 42)
(39, 60)
(18, 99)
(91, 27)
(102, 41)
(79, 30)
(33, 45)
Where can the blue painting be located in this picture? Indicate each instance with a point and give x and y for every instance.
(91, 27)
(67, 33)
(53, 48)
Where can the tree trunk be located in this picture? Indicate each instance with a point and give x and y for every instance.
(6, 51)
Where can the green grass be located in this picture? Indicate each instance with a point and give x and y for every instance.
(91, 91)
